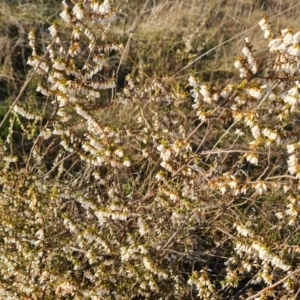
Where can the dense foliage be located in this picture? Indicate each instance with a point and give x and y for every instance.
(98, 206)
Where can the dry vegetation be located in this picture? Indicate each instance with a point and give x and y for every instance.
(180, 182)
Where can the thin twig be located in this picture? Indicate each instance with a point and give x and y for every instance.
(123, 54)
(274, 285)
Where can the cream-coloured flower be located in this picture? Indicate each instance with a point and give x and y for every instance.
(294, 50)
(127, 162)
(275, 44)
(255, 93)
(271, 134)
(223, 189)
(65, 15)
(40, 234)
(59, 65)
(119, 152)
(46, 134)
(265, 27)
(104, 8)
(239, 132)
(252, 158)
(243, 231)
(287, 36)
(204, 91)
(192, 81)
(296, 37)
(76, 33)
(42, 90)
(78, 12)
(263, 23)
(255, 131)
(261, 187)
(291, 147)
(26, 114)
(53, 30)
(292, 164)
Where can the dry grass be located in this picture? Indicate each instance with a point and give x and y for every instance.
(16, 19)
(171, 34)
(168, 37)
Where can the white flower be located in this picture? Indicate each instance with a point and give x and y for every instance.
(119, 152)
(46, 134)
(233, 183)
(204, 91)
(166, 154)
(58, 75)
(264, 25)
(272, 135)
(143, 250)
(239, 132)
(53, 30)
(275, 44)
(193, 82)
(78, 12)
(57, 131)
(294, 91)
(42, 90)
(292, 164)
(160, 176)
(277, 262)
(294, 50)
(202, 115)
(127, 163)
(223, 189)
(65, 15)
(291, 148)
(246, 51)
(167, 166)
(40, 234)
(279, 215)
(64, 4)
(20, 110)
(255, 131)
(262, 251)
(95, 6)
(59, 65)
(288, 36)
(287, 98)
(296, 37)
(89, 34)
(252, 158)
(145, 153)
(255, 93)
(226, 91)
(10, 159)
(104, 8)
(261, 187)
(243, 231)
(286, 188)
(44, 276)
(173, 196)
(76, 34)
(65, 288)
(238, 64)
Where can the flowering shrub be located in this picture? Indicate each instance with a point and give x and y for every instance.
(98, 207)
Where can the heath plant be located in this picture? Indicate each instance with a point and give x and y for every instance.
(97, 207)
